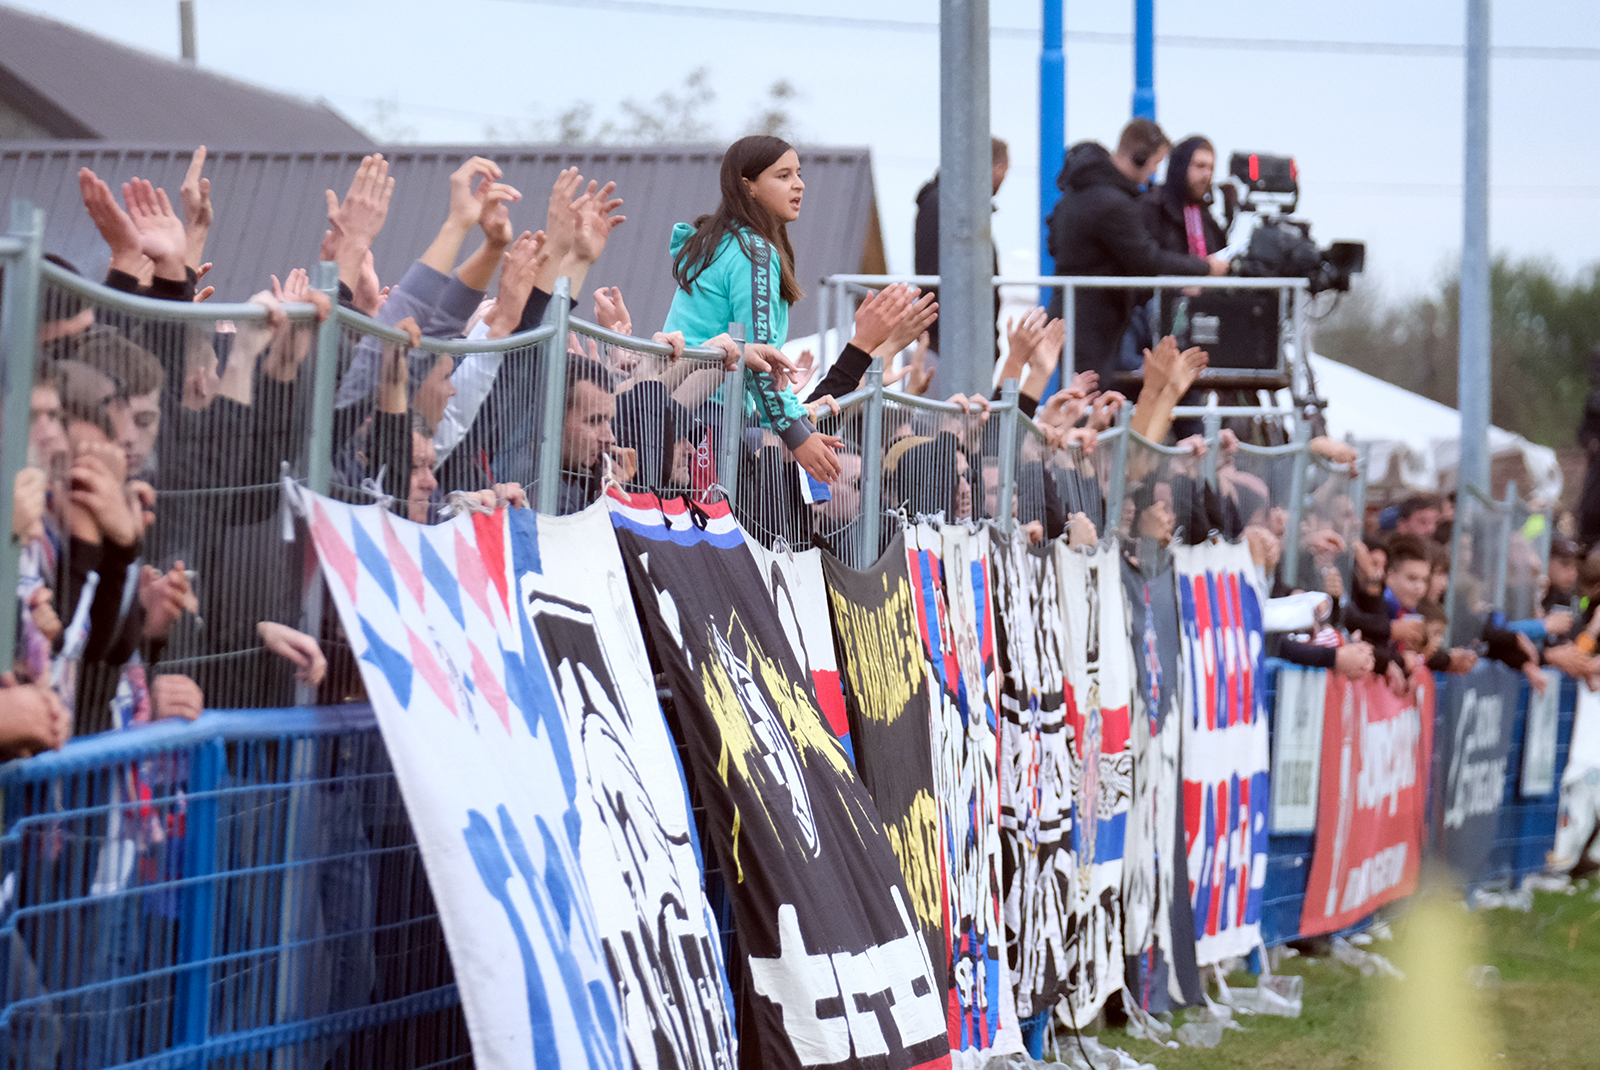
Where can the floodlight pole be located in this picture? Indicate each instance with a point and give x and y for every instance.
(1473, 359)
(966, 302)
(1052, 121)
(1144, 59)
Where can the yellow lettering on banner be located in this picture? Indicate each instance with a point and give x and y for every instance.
(883, 659)
(916, 844)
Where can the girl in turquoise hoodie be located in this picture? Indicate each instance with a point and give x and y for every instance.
(736, 266)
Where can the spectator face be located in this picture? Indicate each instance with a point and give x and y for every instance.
(778, 189)
(846, 503)
(586, 433)
(47, 436)
(1201, 167)
(1563, 573)
(1437, 585)
(422, 482)
(144, 413)
(1409, 582)
(1422, 523)
(435, 391)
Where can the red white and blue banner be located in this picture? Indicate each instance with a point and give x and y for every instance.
(490, 774)
(1225, 783)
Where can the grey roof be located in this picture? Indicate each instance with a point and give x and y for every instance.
(74, 84)
(271, 212)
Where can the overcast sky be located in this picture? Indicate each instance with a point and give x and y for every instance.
(1377, 137)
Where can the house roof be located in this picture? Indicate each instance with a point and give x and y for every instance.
(271, 212)
(75, 84)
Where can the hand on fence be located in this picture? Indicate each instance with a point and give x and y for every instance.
(1462, 661)
(1412, 631)
(32, 719)
(395, 372)
(172, 695)
(1558, 622)
(511, 494)
(1324, 543)
(825, 403)
(1536, 679)
(611, 313)
(165, 597)
(1333, 451)
(879, 312)
(675, 340)
(760, 357)
(1081, 531)
(296, 647)
(1572, 661)
(198, 213)
(1105, 409)
(114, 224)
(1265, 548)
(1354, 660)
(1087, 439)
(1332, 583)
(816, 456)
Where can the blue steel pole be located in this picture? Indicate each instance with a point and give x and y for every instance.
(1144, 59)
(1052, 123)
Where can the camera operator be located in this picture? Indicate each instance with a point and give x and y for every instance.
(1178, 212)
(1098, 228)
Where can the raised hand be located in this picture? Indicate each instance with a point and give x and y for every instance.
(96, 507)
(804, 368)
(466, 204)
(879, 312)
(595, 222)
(912, 326)
(494, 215)
(1106, 407)
(359, 218)
(296, 647)
(395, 371)
(294, 289)
(610, 312)
(919, 376)
(161, 234)
(521, 265)
(198, 213)
(367, 293)
(561, 224)
(1023, 337)
(114, 224)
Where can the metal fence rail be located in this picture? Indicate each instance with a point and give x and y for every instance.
(241, 888)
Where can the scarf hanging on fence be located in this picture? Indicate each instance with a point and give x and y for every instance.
(486, 765)
(949, 572)
(888, 699)
(1099, 693)
(833, 971)
(1225, 762)
(638, 845)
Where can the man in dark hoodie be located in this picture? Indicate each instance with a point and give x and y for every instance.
(1178, 212)
(1098, 228)
(926, 254)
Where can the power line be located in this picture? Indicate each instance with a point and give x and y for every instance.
(1253, 44)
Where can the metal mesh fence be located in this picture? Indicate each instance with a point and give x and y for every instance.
(247, 889)
(1164, 496)
(1477, 566)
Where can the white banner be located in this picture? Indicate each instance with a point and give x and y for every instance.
(1539, 737)
(1297, 748)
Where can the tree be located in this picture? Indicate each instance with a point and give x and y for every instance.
(1544, 326)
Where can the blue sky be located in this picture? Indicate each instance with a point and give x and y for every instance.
(1377, 138)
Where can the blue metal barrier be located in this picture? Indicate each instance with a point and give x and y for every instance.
(239, 890)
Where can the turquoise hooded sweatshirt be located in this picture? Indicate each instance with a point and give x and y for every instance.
(741, 285)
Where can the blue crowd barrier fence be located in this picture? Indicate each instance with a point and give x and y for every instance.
(237, 891)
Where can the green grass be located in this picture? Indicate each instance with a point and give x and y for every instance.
(1546, 1007)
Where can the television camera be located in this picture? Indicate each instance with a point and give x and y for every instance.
(1277, 246)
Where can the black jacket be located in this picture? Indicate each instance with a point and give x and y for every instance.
(1163, 218)
(925, 258)
(1098, 228)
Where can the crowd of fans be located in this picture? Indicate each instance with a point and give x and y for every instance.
(157, 576)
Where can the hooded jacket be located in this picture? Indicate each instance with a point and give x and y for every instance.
(925, 251)
(1098, 228)
(1163, 207)
(741, 285)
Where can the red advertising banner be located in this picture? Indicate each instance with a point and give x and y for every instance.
(1372, 802)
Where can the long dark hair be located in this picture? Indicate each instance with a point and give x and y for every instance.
(745, 159)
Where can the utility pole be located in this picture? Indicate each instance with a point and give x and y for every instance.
(1473, 360)
(966, 301)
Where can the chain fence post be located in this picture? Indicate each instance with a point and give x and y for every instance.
(1213, 437)
(325, 379)
(1508, 517)
(825, 353)
(1008, 454)
(1290, 559)
(19, 340)
(1069, 320)
(1117, 485)
(732, 419)
(553, 400)
(872, 468)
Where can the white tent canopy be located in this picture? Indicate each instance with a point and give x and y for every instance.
(1422, 435)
